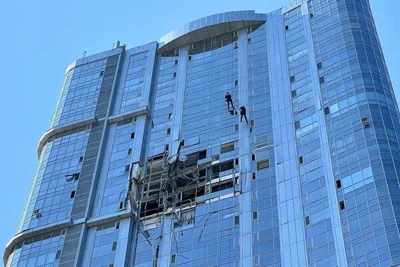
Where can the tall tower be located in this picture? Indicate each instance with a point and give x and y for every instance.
(146, 165)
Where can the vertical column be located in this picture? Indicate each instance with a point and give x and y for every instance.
(246, 244)
(165, 246)
(140, 137)
(290, 209)
(105, 162)
(179, 97)
(87, 249)
(84, 207)
(72, 244)
(330, 180)
(123, 242)
(148, 79)
(88, 179)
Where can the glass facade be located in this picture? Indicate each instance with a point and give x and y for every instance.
(145, 163)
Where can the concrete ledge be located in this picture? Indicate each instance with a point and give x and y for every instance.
(109, 218)
(31, 233)
(144, 110)
(208, 27)
(60, 129)
(119, 215)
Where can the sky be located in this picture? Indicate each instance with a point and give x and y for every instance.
(39, 39)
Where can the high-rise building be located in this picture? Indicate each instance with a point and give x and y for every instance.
(145, 164)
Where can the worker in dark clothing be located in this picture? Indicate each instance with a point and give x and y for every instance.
(243, 113)
(228, 99)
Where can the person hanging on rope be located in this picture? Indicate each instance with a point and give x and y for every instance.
(228, 99)
(243, 113)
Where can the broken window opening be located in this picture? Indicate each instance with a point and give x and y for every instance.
(221, 186)
(127, 167)
(72, 177)
(58, 255)
(150, 208)
(341, 205)
(236, 220)
(203, 154)
(228, 147)
(114, 246)
(365, 123)
(122, 205)
(37, 213)
(263, 164)
(177, 184)
(255, 215)
(186, 218)
(307, 220)
(224, 166)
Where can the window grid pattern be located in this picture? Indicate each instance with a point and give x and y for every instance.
(38, 251)
(147, 242)
(104, 250)
(163, 106)
(319, 234)
(79, 94)
(209, 76)
(134, 83)
(50, 198)
(115, 187)
(354, 69)
(214, 238)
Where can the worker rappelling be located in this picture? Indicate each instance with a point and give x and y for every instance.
(228, 99)
(243, 113)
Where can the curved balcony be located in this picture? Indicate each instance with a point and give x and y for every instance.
(209, 27)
